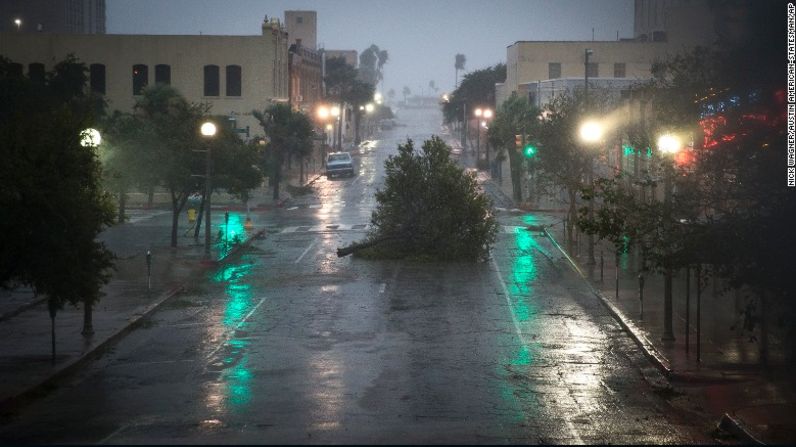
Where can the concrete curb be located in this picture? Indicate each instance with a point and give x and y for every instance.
(641, 340)
(735, 428)
(97, 350)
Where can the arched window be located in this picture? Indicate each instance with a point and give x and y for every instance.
(36, 72)
(97, 78)
(233, 80)
(212, 80)
(140, 78)
(163, 74)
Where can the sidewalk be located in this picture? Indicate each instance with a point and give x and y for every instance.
(727, 385)
(26, 367)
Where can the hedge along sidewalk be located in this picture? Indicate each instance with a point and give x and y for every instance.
(26, 370)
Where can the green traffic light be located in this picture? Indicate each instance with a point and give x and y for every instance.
(529, 151)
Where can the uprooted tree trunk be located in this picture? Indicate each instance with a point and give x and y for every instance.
(356, 246)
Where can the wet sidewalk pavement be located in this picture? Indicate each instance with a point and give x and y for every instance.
(727, 385)
(26, 364)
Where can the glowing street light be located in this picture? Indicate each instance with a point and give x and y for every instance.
(90, 138)
(669, 144)
(488, 113)
(591, 132)
(478, 112)
(323, 113)
(369, 107)
(335, 111)
(18, 22)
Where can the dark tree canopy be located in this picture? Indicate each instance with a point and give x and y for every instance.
(53, 206)
(477, 89)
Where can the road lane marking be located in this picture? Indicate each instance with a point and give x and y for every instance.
(508, 302)
(292, 208)
(305, 251)
(232, 331)
(114, 433)
(573, 431)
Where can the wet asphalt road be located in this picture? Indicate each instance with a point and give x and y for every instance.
(291, 344)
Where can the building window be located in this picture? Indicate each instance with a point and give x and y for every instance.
(299, 19)
(96, 74)
(591, 70)
(554, 70)
(36, 73)
(140, 78)
(163, 74)
(233, 80)
(619, 70)
(211, 80)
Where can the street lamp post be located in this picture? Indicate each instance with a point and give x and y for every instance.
(487, 116)
(18, 23)
(668, 145)
(208, 130)
(88, 138)
(591, 133)
(335, 112)
(478, 112)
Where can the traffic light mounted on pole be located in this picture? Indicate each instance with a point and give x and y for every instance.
(529, 150)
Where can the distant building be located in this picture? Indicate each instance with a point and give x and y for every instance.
(538, 70)
(679, 22)
(53, 16)
(302, 28)
(306, 78)
(234, 74)
(351, 56)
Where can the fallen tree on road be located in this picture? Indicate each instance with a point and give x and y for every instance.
(429, 209)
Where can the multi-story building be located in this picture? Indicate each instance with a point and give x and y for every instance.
(680, 22)
(53, 16)
(542, 69)
(233, 74)
(302, 28)
(306, 78)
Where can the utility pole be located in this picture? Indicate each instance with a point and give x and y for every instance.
(587, 53)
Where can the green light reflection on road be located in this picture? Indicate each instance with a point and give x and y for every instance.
(239, 301)
(230, 233)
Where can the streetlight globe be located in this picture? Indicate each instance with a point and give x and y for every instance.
(335, 111)
(591, 132)
(208, 129)
(488, 113)
(478, 112)
(377, 96)
(17, 22)
(329, 127)
(323, 112)
(369, 107)
(90, 138)
(669, 144)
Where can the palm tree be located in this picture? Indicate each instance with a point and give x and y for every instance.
(406, 93)
(459, 65)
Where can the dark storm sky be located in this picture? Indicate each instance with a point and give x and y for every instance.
(421, 36)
